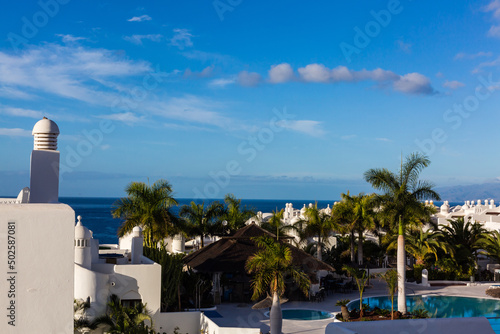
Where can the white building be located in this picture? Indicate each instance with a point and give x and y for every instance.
(485, 212)
(36, 247)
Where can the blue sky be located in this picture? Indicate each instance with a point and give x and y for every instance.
(281, 99)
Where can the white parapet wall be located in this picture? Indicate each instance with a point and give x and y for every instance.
(210, 327)
(37, 268)
(413, 326)
(188, 322)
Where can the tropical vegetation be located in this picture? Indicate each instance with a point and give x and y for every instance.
(401, 204)
(203, 220)
(361, 277)
(316, 224)
(121, 319)
(148, 206)
(270, 267)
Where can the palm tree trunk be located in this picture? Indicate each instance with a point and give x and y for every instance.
(360, 248)
(402, 274)
(275, 315)
(319, 250)
(352, 247)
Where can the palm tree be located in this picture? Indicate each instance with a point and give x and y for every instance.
(235, 215)
(203, 220)
(361, 278)
(390, 277)
(275, 223)
(81, 321)
(342, 215)
(490, 243)
(420, 244)
(126, 320)
(465, 239)
(316, 224)
(362, 217)
(270, 265)
(148, 207)
(401, 201)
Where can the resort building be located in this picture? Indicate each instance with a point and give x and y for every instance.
(484, 212)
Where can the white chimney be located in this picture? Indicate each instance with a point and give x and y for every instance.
(44, 173)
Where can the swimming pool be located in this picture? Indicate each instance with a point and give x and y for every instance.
(440, 306)
(304, 314)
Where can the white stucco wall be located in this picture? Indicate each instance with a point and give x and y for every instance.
(188, 322)
(143, 278)
(211, 327)
(44, 267)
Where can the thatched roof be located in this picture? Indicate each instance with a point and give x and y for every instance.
(231, 253)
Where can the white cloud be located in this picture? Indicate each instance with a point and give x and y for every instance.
(181, 39)
(137, 39)
(222, 82)
(140, 18)
(308, 127)
(66, 71)
(463, 55)
(413, 83)
(453, 84)
(205, 73)
(493, 63)
(314, 73)
(405, 47)
(70, 38)
(383, 139)
(127, 118)
(249, 79)
(15, 132)
(20, 112)
(494, 31)
(280, 73)
(493, 6)
(207, 56)
(14, 93)
(192, 109)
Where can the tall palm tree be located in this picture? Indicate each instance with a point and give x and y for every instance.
(316, 224)
(235, 215)
(401, 201)
(201, 220)
(276, 225)
(342, 215)
(148, 207)
(362, 217)
(270, 265)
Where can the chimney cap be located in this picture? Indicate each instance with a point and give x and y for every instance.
(45, 126)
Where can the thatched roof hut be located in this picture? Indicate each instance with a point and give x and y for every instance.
(230, 253)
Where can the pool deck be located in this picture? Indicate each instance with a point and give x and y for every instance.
(242, 315)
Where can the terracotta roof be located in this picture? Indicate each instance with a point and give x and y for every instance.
(231, 253)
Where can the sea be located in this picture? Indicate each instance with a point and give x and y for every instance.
(96, 211)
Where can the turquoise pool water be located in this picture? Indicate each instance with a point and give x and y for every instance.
(300, 314)
(440, 306)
